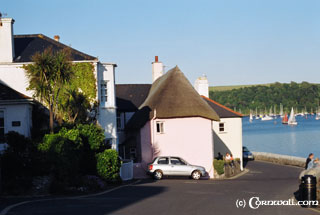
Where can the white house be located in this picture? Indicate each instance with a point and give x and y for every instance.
(17, 50)
(15, 112)
(227, 133)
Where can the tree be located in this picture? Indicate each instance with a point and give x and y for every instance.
(47, 75)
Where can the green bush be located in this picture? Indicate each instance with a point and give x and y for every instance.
(17, 163)
(108, 165)
(72, 153)
(219, 166)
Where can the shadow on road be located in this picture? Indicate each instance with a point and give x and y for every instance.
(117, 200)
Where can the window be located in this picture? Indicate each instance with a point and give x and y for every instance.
(133, 153)
(221, 127)
(119, 124)
(160, 127)
(177, 161)
(163, 161)
(1, 126)
(104, 91)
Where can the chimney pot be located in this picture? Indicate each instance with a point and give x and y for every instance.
(156, 59)
(56, 38)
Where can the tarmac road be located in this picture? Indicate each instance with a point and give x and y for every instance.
(184, 196)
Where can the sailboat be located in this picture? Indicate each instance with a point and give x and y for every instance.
(257, 117)
(317, 115)
(281, 110)
(285, 119)
(292, 118)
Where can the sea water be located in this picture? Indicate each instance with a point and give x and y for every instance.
(272, 136)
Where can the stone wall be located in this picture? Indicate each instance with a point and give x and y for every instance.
(280, 159)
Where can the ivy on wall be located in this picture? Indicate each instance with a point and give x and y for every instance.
(78, 96)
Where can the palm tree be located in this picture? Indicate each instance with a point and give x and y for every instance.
(47, 75)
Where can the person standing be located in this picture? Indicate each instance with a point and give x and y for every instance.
(309, 159)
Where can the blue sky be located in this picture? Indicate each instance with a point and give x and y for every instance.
(231, 41)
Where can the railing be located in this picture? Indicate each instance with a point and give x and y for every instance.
(126, 170)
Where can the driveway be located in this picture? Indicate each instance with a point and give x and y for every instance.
(182, 196)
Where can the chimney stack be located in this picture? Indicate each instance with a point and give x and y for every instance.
(6, 40)
(202, 86)
(56, 38)
(157, 69)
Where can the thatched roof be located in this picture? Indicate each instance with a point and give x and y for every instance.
(172, 96)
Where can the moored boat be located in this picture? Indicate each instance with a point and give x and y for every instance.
(285, 119)
(292, 118)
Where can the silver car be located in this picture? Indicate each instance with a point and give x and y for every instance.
(174, 166)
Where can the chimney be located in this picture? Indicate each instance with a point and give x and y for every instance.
(157, 69)
(202, 86)
(6, 40)
(56, 38)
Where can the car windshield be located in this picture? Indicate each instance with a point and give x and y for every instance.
(245, 149)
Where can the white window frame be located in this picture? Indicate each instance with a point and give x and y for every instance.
(161, 127)
(4, 123)
(223, 127)
(104, 92)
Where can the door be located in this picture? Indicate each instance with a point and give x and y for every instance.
(163, 164)
(179, 167)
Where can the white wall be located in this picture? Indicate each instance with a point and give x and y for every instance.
(230, 140)
(107, 116)
(13, 75)
(17, 112)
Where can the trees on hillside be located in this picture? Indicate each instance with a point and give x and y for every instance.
(301, 96)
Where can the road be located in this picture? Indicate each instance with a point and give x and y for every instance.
(183, 196)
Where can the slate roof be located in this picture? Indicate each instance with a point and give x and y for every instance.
(7, 93)
(172, 96)
(129, 97)
(221, 110)
(25, 46)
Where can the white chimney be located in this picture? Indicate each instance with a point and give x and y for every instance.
(202, 86)
(6, 40)
(157, 69)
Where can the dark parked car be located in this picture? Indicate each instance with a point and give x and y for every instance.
(247, 155)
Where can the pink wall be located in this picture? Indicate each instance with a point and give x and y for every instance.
(189, 138)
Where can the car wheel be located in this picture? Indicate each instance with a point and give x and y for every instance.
(196, 175)
(158, 174)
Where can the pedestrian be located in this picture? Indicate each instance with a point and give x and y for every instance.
(314, 163)
(228, 157)
(219, 157)
(309, 159)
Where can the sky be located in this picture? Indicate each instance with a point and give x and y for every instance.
(232, 42)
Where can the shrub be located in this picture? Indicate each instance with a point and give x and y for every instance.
(72, 153)
(108, 165)
(17, 163)
(219, 166)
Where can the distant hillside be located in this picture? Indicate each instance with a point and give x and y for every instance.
(245, 97)
(231, 87)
